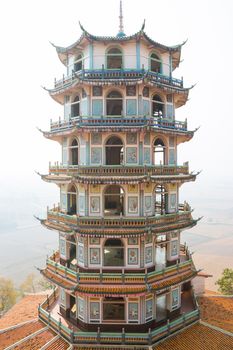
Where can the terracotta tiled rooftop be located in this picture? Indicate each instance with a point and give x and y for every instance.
(24, 310)
(36, 342)
(12, 336)
(217, 311)
(198, 337)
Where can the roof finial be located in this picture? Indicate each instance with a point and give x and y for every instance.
(121, 26)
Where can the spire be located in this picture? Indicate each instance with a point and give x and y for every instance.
(121, 26)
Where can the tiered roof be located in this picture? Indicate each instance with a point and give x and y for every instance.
(138, 36)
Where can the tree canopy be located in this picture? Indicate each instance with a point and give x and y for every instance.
(225, 283)
(8, 294)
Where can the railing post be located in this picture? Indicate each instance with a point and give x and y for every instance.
(101, 276)
(183, 319)
(98, 335)
(149, 336)
(123, 276)
(59, 325)
(49, 316)
(72, 336)
(168, 326)
(123, 336)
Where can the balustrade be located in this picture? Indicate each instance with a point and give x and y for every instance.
(118, 121)
(116, 74)
(122, 222)
(114, 170)
(120, 277)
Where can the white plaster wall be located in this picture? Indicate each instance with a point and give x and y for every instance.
(165, 59)
(129, 55)
(86, 57)
(144, 55)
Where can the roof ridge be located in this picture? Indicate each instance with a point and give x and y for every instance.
(216, 328)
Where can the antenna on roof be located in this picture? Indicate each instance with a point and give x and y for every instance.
(121, 26)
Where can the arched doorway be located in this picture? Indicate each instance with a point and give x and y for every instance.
(114, 151)
(159, 152)
(72, 201)
(114, 103)
(114, 58)
(157, 106)
(74, 152)
(113, 200)
(75, 107)
(161, 197)
(113, 252)
(155, 63)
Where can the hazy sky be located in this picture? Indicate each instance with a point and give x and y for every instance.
(28, 61)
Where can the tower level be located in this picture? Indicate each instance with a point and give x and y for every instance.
(122, 275)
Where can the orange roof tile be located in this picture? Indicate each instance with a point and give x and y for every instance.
(217, 311)
(197, 337)
(58, 344)
(36, 342)
(24, 310)
(14, 335)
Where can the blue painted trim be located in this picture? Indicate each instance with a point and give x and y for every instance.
(88, 152)
(138, 56)
(91, 55)
(140, 153)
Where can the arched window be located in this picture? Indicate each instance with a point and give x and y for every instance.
(113, 252)
(114, 58)
(114, 103)
(72, 200)
(74, 152)
(78, 63)
(157, 106)
(75, 107)
(114, 200)
(155, 63)
(113, 309)
(159, 152)
(161, 198)
(114, 151)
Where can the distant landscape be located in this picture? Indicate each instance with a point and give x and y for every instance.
(25, 243)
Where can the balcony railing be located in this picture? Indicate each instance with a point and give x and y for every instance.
(115, 170)
(117, 74)
(117, 277)
(180, 219)
(118, 121)
(81, 337)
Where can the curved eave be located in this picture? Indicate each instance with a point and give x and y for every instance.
(182, 136)
(120, 232)
(105, 180)
(86, 37)
(119, 289)
(60, 227)
(181, 94)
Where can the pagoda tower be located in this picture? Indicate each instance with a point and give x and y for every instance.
(122, 276)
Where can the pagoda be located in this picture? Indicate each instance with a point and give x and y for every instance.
(123, 279)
